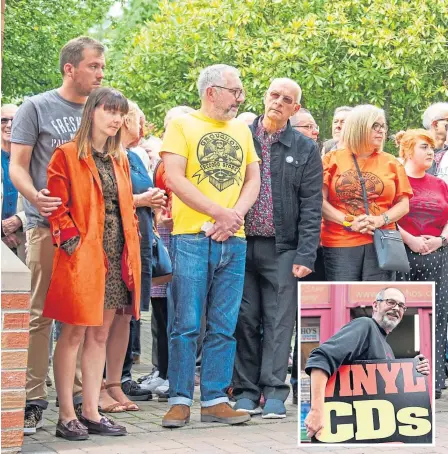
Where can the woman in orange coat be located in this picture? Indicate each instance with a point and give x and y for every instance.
(96, 267)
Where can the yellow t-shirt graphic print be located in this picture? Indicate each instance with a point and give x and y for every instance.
(220, 158)
(217, 154)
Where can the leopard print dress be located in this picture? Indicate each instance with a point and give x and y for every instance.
(117, 295)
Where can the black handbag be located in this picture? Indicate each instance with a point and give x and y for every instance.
(162, 269)
(389, 246)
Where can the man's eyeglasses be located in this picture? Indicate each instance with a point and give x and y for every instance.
(309, 127)
(442, 119)
(6, 120)
(378, 127)
(237, 92)
(392, 303)
(277, 96)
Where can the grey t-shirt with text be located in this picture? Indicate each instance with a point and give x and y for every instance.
(45, 122)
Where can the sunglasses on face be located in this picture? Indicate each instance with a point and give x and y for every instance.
(392, 303)
(278, 97)
(309, 127)
(6, 120)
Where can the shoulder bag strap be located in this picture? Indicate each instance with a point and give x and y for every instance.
(363, 185)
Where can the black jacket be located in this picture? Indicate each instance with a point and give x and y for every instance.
(296, 182)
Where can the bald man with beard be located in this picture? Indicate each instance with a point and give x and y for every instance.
(364, 338)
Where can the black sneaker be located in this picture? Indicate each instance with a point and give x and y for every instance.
(135, 392)
(33, 419)
(295, 397)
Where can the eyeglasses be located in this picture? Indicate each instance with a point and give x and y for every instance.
(277, 96)
(6, 120)
(309, 127)
(378, 127)
(392, 303)
(237, 92)
(441, 119)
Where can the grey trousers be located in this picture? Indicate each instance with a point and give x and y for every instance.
(265, 322)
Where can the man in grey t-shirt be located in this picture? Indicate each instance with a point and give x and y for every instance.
(42, 123)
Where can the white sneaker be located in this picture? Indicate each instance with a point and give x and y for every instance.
(151, 383)
(163, 388)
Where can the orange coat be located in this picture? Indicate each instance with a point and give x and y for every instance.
(77, 286)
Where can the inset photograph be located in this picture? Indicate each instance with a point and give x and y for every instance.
(366, 363)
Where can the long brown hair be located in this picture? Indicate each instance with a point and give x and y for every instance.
(108, 99)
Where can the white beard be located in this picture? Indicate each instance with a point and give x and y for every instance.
(387, 324)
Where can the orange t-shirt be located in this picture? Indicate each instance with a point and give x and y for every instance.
(386, 183)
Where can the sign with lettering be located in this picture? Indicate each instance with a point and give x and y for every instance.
(310, 334)
(377, 402)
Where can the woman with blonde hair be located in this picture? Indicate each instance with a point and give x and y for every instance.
(96, 266)
(347, 231)
(425, 230)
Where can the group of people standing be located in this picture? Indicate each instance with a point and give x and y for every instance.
(246, 213)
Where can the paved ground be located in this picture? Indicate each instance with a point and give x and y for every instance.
(147, 436)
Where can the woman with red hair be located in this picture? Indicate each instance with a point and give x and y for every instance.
(425, 229)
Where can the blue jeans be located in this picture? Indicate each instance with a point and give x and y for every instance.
(208, 278)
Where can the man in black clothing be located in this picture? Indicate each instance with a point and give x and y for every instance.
(363, 338)
(283, 232)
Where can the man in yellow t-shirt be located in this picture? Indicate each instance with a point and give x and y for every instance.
(213, 171)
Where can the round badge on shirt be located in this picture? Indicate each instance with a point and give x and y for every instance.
(289, 159)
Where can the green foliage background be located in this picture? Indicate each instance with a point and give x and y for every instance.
(392, 53)
(35, 31)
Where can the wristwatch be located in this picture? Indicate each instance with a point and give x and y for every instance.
(444, 243)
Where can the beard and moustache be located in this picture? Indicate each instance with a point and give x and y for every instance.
(389, 324)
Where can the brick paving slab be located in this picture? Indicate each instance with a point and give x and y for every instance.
(146, 435)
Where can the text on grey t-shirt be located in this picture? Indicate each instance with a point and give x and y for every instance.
(45, 122)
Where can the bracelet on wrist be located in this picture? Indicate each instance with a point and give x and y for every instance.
(386, 219)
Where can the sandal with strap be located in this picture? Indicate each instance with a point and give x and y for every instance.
(128, 405)
(112, 408)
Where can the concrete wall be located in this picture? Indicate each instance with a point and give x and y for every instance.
(16, 284)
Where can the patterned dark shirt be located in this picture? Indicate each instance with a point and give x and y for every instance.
(260, 218)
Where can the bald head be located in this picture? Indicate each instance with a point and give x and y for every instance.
(289, 84)
(247, 117)
(304, 122)
(281, 101)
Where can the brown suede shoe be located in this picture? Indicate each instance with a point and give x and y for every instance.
(177, 416)
(223, 413)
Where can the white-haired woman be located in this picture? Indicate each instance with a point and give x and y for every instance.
(347, 232)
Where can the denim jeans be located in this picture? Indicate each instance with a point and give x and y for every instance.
(208, 278)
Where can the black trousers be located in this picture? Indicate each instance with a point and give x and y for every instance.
(160, 318)
(358, 263)
(134, 328)
(265, 322)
